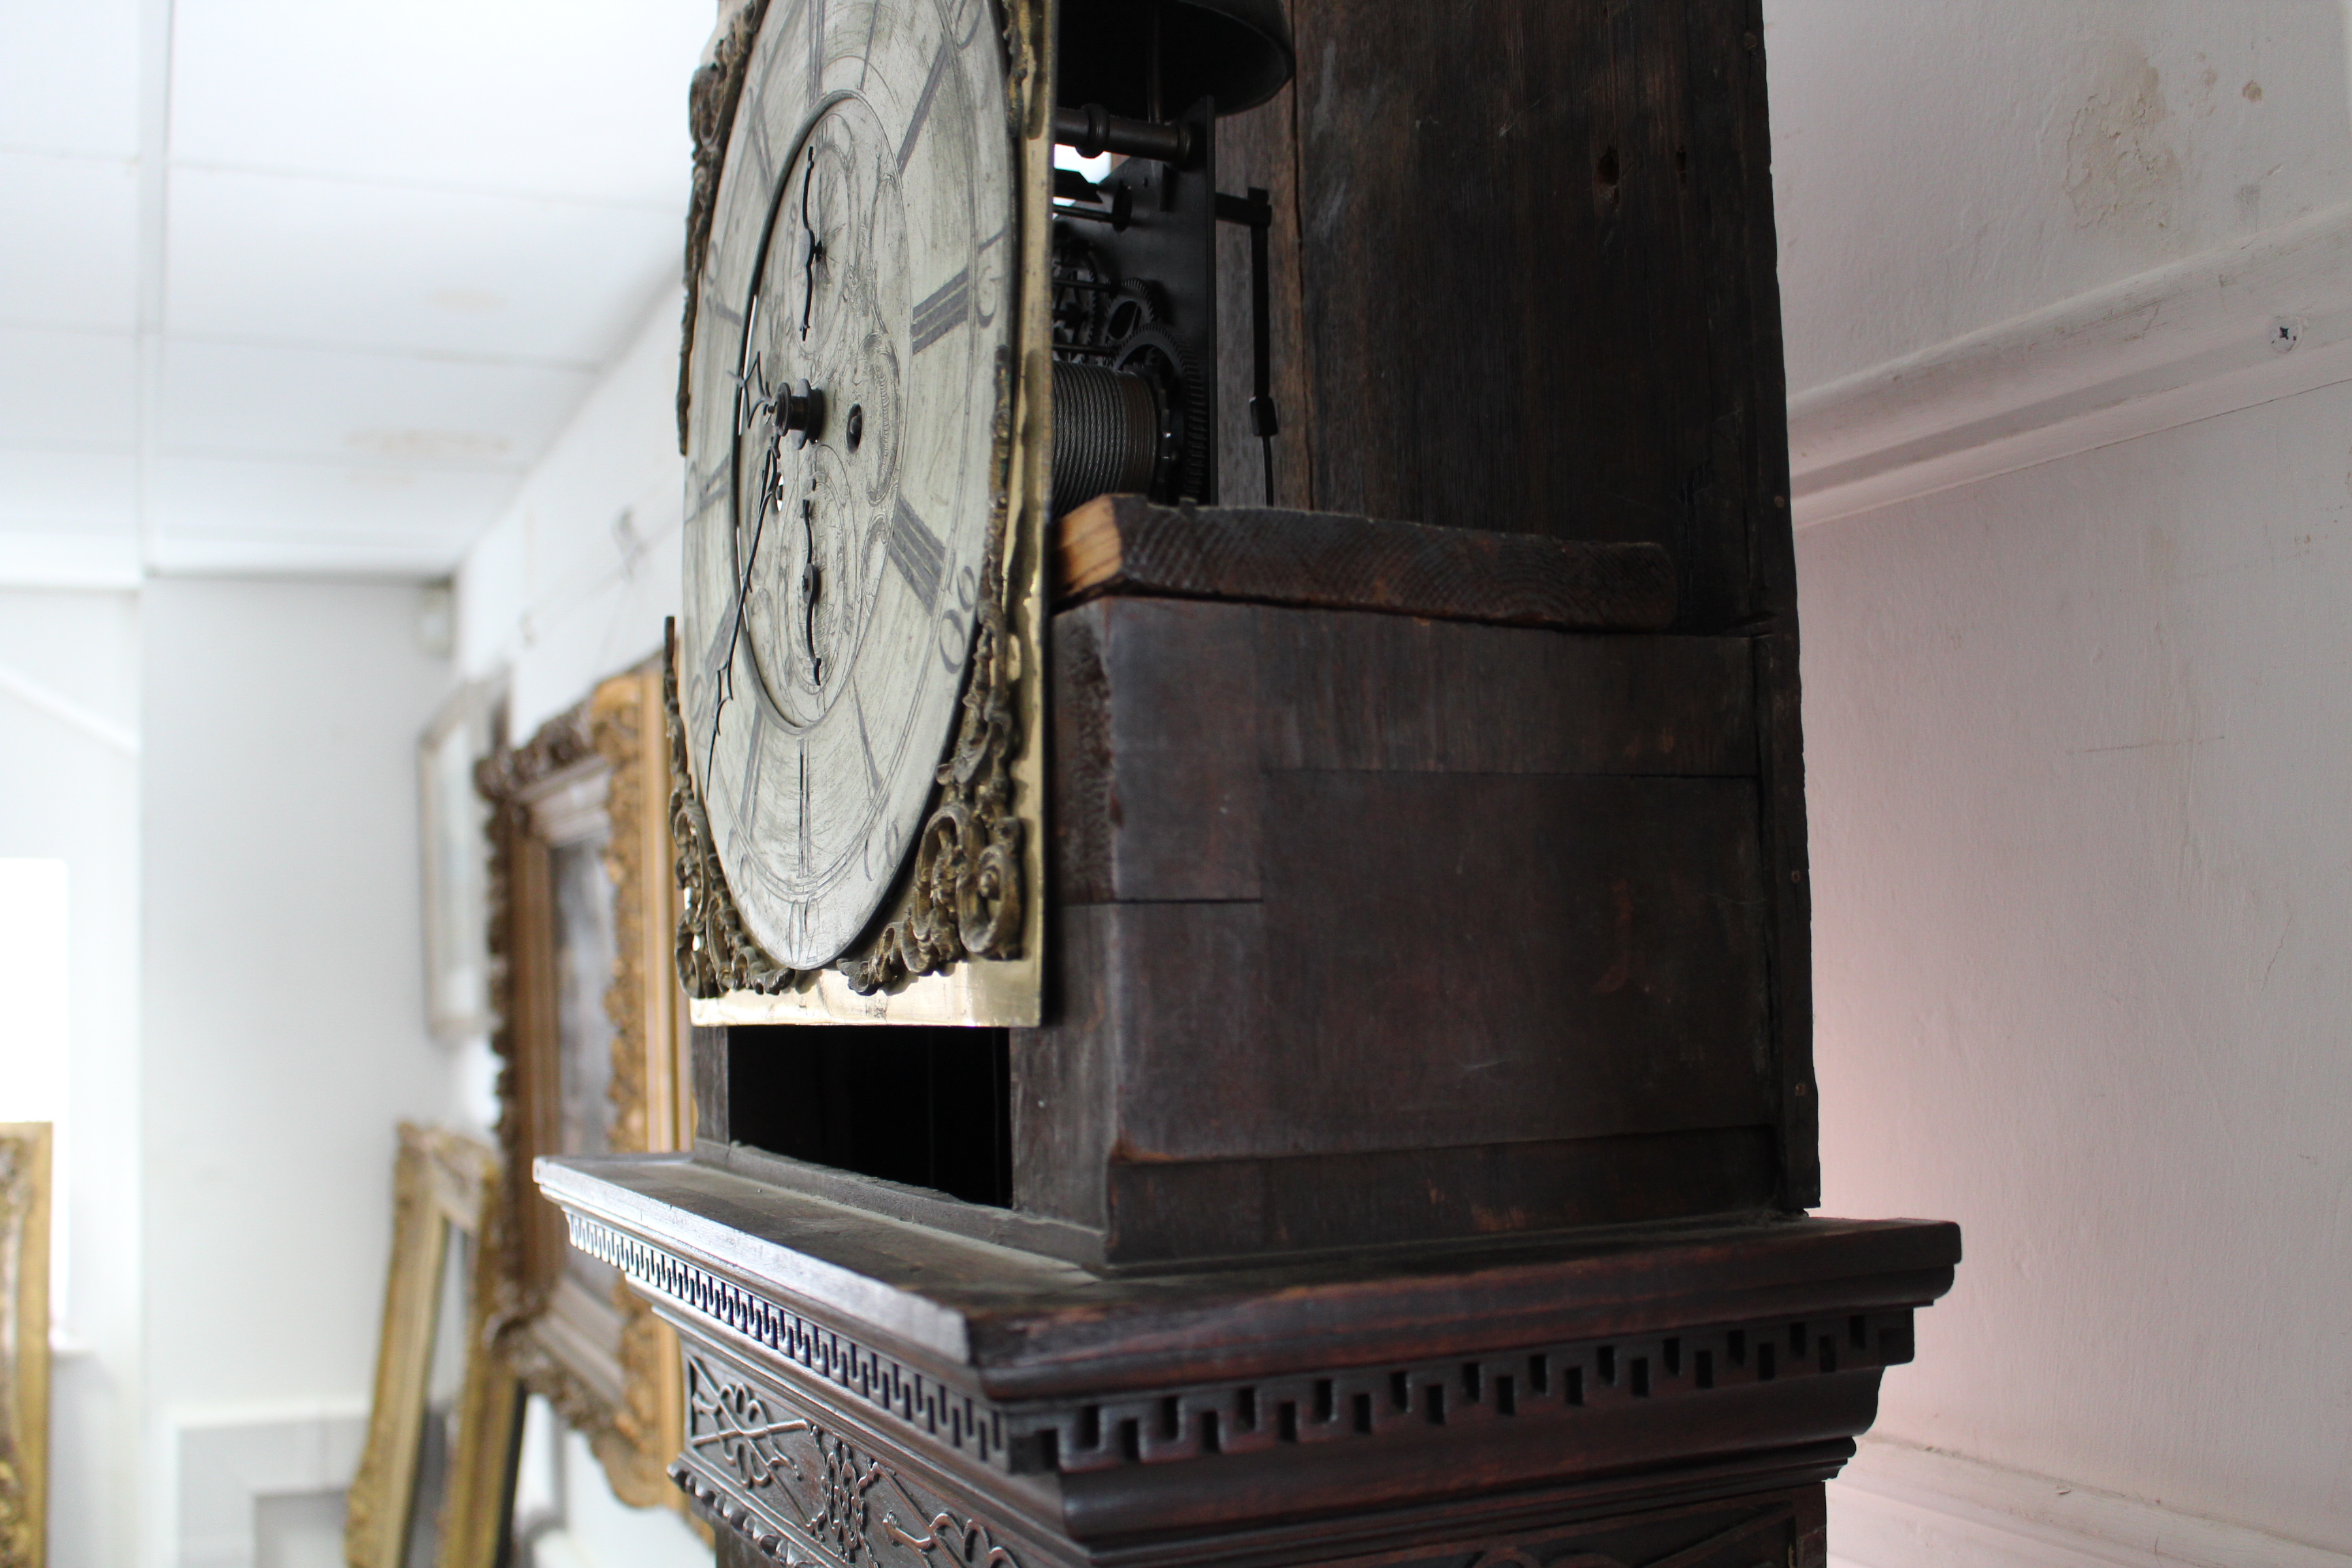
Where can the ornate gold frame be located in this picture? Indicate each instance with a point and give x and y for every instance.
(609, 1366)
(24, 1344)
(982, 848)
(442, 1181)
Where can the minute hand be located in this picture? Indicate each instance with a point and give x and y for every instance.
(768, 476)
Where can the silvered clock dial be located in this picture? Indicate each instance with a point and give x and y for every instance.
(853, 476)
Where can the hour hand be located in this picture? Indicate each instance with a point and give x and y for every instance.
(812, 585)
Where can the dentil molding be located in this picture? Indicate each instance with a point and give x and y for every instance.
(2241, 324)
(1896, 1506)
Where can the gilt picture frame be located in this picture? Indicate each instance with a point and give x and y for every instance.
(591, 1031)
(25, 1175)
(435, 1481)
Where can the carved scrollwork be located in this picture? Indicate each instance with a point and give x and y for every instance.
(803, 1494)
(965, 900)
(966, 1542)
(732, 1418)
(843, 1513)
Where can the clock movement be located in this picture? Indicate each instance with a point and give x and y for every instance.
(1239, 797)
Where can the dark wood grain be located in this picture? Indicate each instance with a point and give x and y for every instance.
(1064, 1087)
(1433, 995)
(1155, 743)
(1202, 1207)
(1383, 694)
(1537, 271)
(1125, 544)
(1259, 149)
(1789, 927)
(708, 1055)
(1165, 712)
(1332, 817)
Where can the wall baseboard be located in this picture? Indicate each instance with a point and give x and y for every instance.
(227, 1461)
(2242, 325)
(1901, 1506)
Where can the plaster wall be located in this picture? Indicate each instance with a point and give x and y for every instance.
(2076, 745)
(1940, 168)
(69, 792)
(2078, 739)
(283, 1029)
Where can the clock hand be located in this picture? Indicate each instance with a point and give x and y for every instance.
(770, 471)
(811, 584)
(811, 253)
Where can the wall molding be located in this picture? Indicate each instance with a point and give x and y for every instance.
(1901, 1506)
(2244, 323)
(227, 1460)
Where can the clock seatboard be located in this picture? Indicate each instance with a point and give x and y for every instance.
(866, 443)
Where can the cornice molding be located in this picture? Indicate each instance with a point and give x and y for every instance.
(2228, 328)
(1562, 1381)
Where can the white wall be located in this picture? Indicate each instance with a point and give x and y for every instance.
(2080, 740)
(1942, 166)
(69, 791)
(572, 581)
(2078, 748)
(283, 1028)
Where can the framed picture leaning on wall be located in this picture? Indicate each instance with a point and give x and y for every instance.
(590, 1027)
(435, 1484)
(455, 854)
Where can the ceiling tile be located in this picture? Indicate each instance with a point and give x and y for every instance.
(69, 77)
(580, 98)
(330, 262)
(67, 389)
(221, 514)
(238, 400)
(69, 493)
(68, 241)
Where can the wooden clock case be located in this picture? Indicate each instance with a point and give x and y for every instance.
(1412, 1166)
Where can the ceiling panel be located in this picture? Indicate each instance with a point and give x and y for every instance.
(68, 241)
(566, 97)
(409, 411)
(222, 514)
(69, 77)
(329, 262)
(67, 389)
(69, 493)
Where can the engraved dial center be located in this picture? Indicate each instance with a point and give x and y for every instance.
(815, 487)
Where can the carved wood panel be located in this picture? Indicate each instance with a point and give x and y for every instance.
(802, 1491)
